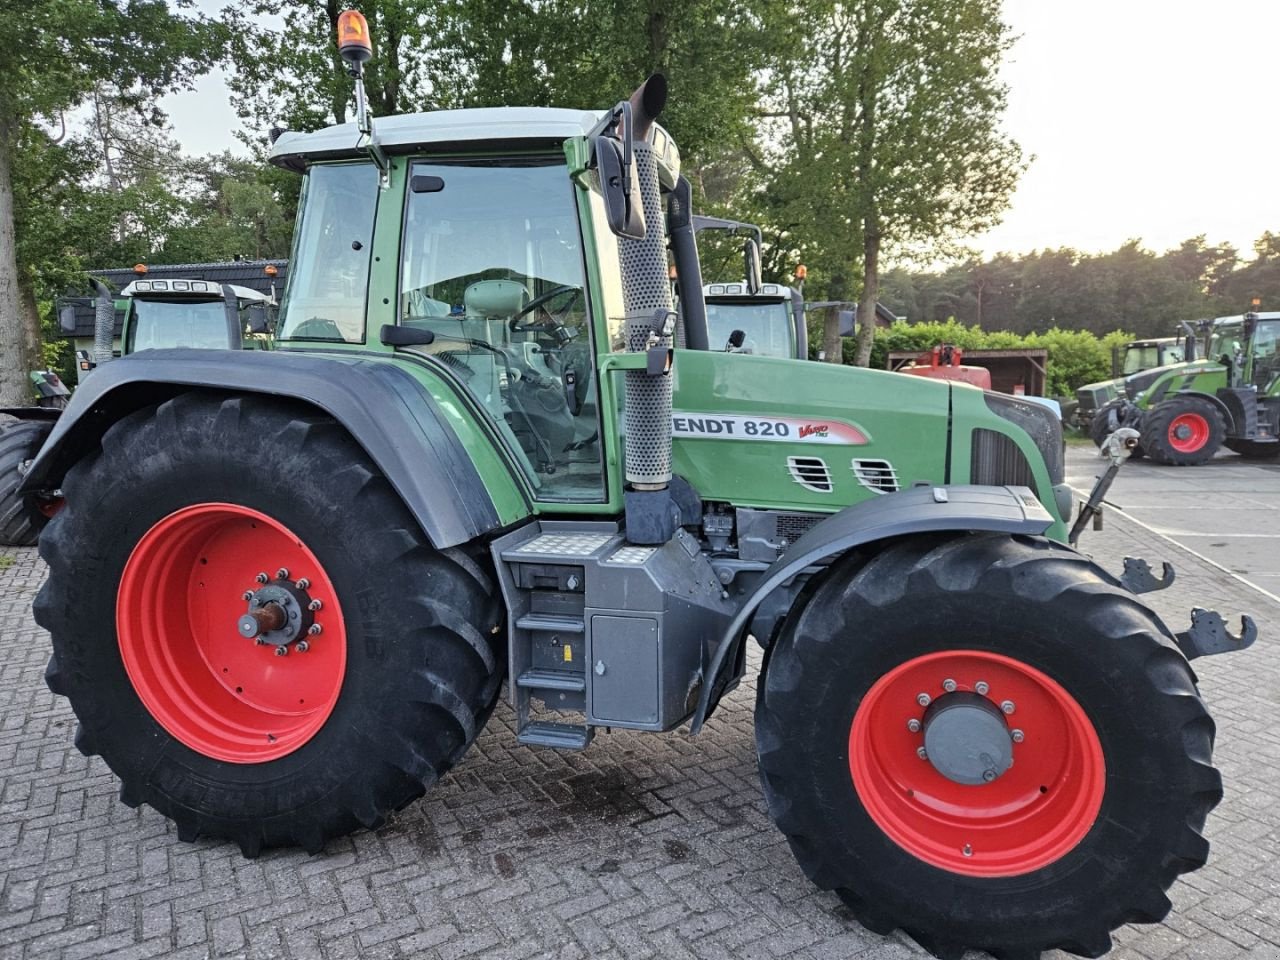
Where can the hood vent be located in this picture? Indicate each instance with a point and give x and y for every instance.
(811, 473)
(877, 475)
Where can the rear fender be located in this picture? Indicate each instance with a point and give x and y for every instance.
(31, 413)
(1012, 510)
(386, 411)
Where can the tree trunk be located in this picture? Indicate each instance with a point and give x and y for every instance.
(870, 294)
(16, 335)
(831, 345)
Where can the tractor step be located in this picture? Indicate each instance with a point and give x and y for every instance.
(562, 736)
(549, 624)
(551, 680)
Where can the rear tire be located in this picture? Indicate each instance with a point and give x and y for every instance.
(1183, 432)
(20, 441)
(1117, 741)
(401, 678)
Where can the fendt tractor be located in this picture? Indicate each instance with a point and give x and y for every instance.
(1136, 356)
(1187, 412)
(147, 314)
(285, 587)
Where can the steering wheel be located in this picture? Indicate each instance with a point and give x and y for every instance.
(545, 298)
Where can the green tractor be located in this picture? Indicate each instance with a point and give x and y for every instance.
(1188, 411)
(1136, 356)
(145, 315)
(285, 587)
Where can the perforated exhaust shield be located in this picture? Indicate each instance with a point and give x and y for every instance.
(646, 288)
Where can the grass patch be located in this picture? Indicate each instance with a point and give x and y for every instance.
(6, 562)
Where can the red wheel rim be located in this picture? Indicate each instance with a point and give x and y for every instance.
(1032, 815)
(218, 693)
(1188, 432)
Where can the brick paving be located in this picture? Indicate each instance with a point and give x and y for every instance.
(642, 846)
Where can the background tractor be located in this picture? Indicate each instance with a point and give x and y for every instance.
(1134, 357)
(1231, 398)
(285, 587)
(147, 314)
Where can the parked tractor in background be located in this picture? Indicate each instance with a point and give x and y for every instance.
(1185, 413)
(1134, 357)
(285, 587)
(147, 314)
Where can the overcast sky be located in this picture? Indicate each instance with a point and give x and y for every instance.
(1147, 119)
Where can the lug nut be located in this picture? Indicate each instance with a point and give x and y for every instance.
(262, 578)
(282, 651)
(988, 775)
(922, 753)
(923, 699)
(302, 583)
(949, 686)
(1018, 736)
(282, 573)
(982, 687)
(259, 641)
(913, 725)
(315, 630)
(967, 850)
(1007, 706)
(314, 605)
(248, 595)
(303, 646)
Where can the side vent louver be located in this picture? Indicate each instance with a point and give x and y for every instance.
(811, 473)
(995, 459)
(877, 475)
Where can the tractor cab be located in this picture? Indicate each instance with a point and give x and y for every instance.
(771, 321)
(193, 313)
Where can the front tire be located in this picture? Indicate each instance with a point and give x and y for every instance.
(20, 441)
(1101, 427)
(167, 532)
(1089, 799)
(1184, 432)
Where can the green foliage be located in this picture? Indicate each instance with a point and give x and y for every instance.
(1076, 357)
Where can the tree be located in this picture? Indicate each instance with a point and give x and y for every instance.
(888, 131)
(68, 48)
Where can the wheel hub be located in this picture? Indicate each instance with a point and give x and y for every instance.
(280, 613)
(966, 739)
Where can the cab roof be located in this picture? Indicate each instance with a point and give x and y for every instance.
(402, 133)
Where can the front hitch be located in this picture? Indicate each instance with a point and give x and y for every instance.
(1116, 448)
(1209, 635)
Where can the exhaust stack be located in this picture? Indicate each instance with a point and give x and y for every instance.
(652, 516)
(104, 322)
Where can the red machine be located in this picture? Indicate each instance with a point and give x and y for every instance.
(943, 362)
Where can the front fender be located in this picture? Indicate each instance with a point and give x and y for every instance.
(918, 510)
(386, 411)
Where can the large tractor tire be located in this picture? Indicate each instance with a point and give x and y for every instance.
(20, 441)
(1100, 426)
(1253, 449)
(1183, 432)
(253, 631)
(985, 741)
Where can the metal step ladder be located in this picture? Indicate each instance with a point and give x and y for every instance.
(543, 569)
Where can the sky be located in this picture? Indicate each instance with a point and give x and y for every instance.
(1145, 119)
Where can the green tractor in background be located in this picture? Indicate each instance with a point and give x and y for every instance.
(285, 587)
(149, 313)
(1186, 412)
(1136, 356)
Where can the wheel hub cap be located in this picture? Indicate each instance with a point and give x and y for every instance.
(967, 740)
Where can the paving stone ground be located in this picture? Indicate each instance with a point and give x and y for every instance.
(642, 846)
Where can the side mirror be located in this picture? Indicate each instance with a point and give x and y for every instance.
(256, 318)
(848, 322)
(393, 335)
(736, 339)
(67, 317)
(1189, 347)
(619, 185)
(751, 261)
